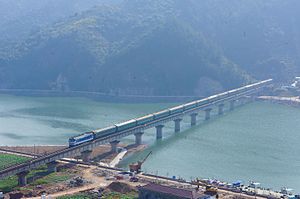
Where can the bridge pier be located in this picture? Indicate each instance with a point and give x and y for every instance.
(85, 155)
(22, 179)
(243, 100)
(193, 119)
(114, 146)
(231, 105)
(220, 109)
(159, 131)
(247, 99)
(177, 125)
(239, 102)
(52, 167)
(138, 138)
(207, 113)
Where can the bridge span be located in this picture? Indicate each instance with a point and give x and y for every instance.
(158, 120)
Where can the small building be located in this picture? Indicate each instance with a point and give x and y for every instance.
(156, 191)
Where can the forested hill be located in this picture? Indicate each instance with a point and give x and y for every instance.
(154, 47)
(20, 18)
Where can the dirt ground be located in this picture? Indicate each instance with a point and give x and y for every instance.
(94, 178)
(32, 190)
(93, 182)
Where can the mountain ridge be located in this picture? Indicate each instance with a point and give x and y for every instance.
(146, 48)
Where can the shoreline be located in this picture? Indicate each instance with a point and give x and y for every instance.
(130, 150)
(290, 101)
(100, 96)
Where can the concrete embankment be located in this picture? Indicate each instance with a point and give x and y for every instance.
(118, 158)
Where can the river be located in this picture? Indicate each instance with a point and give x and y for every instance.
(259, 141)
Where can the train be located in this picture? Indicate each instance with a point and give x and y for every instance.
(144, 120)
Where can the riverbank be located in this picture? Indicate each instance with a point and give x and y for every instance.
(95, 179)
(291, 101)
(100, 96)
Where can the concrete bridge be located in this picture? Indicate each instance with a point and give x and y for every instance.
(241, 95)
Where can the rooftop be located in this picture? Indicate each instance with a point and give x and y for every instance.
(183, 193)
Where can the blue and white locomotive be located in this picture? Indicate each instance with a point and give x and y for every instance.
(77, 140)
(100, 133)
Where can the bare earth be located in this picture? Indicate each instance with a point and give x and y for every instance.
(95, 182)
(94, 176)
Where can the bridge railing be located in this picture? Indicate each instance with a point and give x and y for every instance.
(210, 100)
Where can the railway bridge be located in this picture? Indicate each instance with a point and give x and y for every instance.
(156, 120)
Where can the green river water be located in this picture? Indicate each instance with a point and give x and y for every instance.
(259, 141)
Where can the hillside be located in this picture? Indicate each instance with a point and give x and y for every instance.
(22, 18)
(158, 48)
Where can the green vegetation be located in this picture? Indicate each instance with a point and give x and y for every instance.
(7, 160)
(158, 47)
(52, 178)
(41, 173)
(11, 183)
(77, 196)
(113, 195)
(8, 184)
(34, 15)
(138, 49)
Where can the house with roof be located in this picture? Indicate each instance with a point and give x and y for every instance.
(157, 191)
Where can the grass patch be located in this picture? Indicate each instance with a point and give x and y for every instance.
(114, 195)
(7, 160)
(77, 196)
(25, 189)
(40, 175)
(52, 178)
(11, 183)
(8, 184)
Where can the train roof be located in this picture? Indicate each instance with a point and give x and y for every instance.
(190, 103)
(126, 122)
(201, 100)
(163, 111)
(145, 116)
(176, 107)
(81, 135)
(231, 91)
(211, 97)
(104, 129)
(267, 80)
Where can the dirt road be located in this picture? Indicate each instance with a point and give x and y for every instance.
(95, 182)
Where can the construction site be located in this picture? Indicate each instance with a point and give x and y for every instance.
(74, 178)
